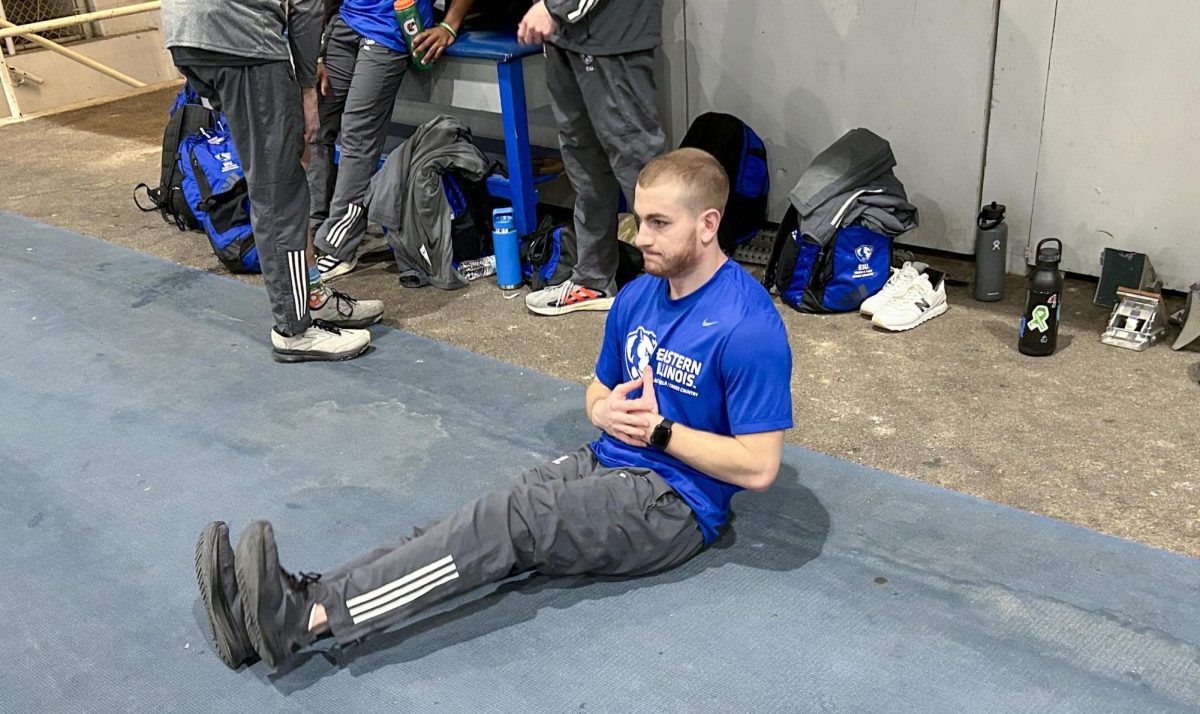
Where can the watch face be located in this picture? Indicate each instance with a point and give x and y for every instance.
(661, 434)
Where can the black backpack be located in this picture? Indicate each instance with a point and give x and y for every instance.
(187, 117)
(744, 157)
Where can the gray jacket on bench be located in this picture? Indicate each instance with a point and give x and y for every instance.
(407, 197)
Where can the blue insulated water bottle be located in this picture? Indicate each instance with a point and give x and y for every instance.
(506, 243)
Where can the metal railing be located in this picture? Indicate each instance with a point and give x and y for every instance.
(37, 33)
(26, 12)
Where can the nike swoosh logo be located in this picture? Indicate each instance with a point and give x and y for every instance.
(708, 323)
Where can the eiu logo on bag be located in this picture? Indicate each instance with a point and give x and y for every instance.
(835, 277)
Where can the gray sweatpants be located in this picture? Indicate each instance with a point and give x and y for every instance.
(364, 77)
(608, 129)
(565, 517)
(261, 104)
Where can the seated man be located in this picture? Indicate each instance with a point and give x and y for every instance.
(363, 60)
(692, 393)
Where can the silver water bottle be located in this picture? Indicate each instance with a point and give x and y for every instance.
(991, 247)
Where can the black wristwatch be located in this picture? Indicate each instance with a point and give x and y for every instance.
(661, 436)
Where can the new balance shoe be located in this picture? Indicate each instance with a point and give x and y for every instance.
(277, 604)
(339, 309)
(322, 342)
(219, 592)
(899, 281)
(568, 297)
(923, 300)
(331, 267)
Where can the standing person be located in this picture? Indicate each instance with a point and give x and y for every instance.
(600, 72)
(363, 61)
(255, 61)
(692, 395)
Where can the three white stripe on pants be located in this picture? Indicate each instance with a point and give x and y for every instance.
(298, 274)
(342, 227)
(401, 591)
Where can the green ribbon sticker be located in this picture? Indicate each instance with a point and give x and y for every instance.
(1037, 321)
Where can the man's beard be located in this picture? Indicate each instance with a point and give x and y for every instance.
(678, 264)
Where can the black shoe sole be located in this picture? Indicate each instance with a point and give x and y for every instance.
(251, 568)
(292, 357)
(220, 618)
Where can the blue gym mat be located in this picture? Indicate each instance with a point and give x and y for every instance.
(139, 402)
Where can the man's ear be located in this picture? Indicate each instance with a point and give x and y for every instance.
(710, 221)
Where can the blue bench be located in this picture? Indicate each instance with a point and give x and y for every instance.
(502, 48)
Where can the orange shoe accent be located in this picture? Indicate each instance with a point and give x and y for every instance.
(580, 294)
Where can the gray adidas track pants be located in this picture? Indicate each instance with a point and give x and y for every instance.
(608, 129)
(565, 517)
(261, 103)
(364, 77)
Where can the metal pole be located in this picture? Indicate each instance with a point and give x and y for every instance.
(81, 59)
(10, 96)
(8, 41)
(79, 19)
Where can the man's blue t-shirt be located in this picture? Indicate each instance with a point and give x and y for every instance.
(375, 20)
(721, 364)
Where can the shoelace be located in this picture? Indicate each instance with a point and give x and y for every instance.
(563, 291)
(908, 293)
(903, 279)
(327, 326)
(341, 299)
(302, 582)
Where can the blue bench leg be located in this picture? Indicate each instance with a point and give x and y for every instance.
(516, 145)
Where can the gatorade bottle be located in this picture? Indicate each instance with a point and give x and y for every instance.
(408, 16)
(1043, 303)
(506, 244)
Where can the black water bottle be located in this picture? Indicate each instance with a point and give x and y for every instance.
(991, 240)
(1043, 303)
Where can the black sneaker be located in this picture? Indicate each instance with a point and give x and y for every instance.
(277, 604)
(219, 591)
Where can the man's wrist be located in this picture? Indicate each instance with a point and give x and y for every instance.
(660, 434)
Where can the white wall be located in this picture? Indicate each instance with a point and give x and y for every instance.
(140, 55)
(1026, 28)
(1120, 152)
(802, 73)
(121, 25)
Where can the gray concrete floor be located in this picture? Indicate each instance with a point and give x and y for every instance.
(1097, 436)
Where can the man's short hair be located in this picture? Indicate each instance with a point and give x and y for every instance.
(698, 173)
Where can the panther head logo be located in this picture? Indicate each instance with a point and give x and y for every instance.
(639, 348)
(864, 253)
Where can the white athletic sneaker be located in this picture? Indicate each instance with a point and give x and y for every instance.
(341, 310)
(331, 267)
(923, 299)
(899, 281)
(568, 297)
(320, 343)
